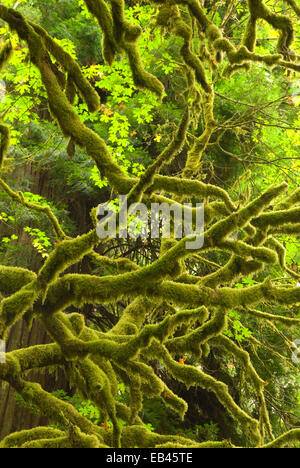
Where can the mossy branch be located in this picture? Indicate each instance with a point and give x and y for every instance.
(285, 439)
(194, 307)
(19, 198)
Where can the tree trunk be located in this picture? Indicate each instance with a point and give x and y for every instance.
(13, 416)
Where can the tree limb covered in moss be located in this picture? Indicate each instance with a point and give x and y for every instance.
(194, 308)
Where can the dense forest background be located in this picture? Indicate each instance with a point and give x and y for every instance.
(254, 144)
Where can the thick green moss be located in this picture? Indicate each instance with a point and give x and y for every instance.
(19, 438)
(168, 310)
(13, 307)
(284, 440)
(189, 375)
(13, 278)
(169, 16)
(19, 198)
(293, 4)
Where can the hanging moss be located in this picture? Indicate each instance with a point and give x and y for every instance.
(258, 383)
(76, 440)
(249, 39)
(169, 16)
(119, 34)
(193, 341)
(193, 163)
(258, 9)
(142, 79)
(168, 309)
(87, 92)
(191, 376)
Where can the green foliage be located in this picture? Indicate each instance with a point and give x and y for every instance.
(84, 407)
(153, 115)
(237, 330)
(40, 241)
